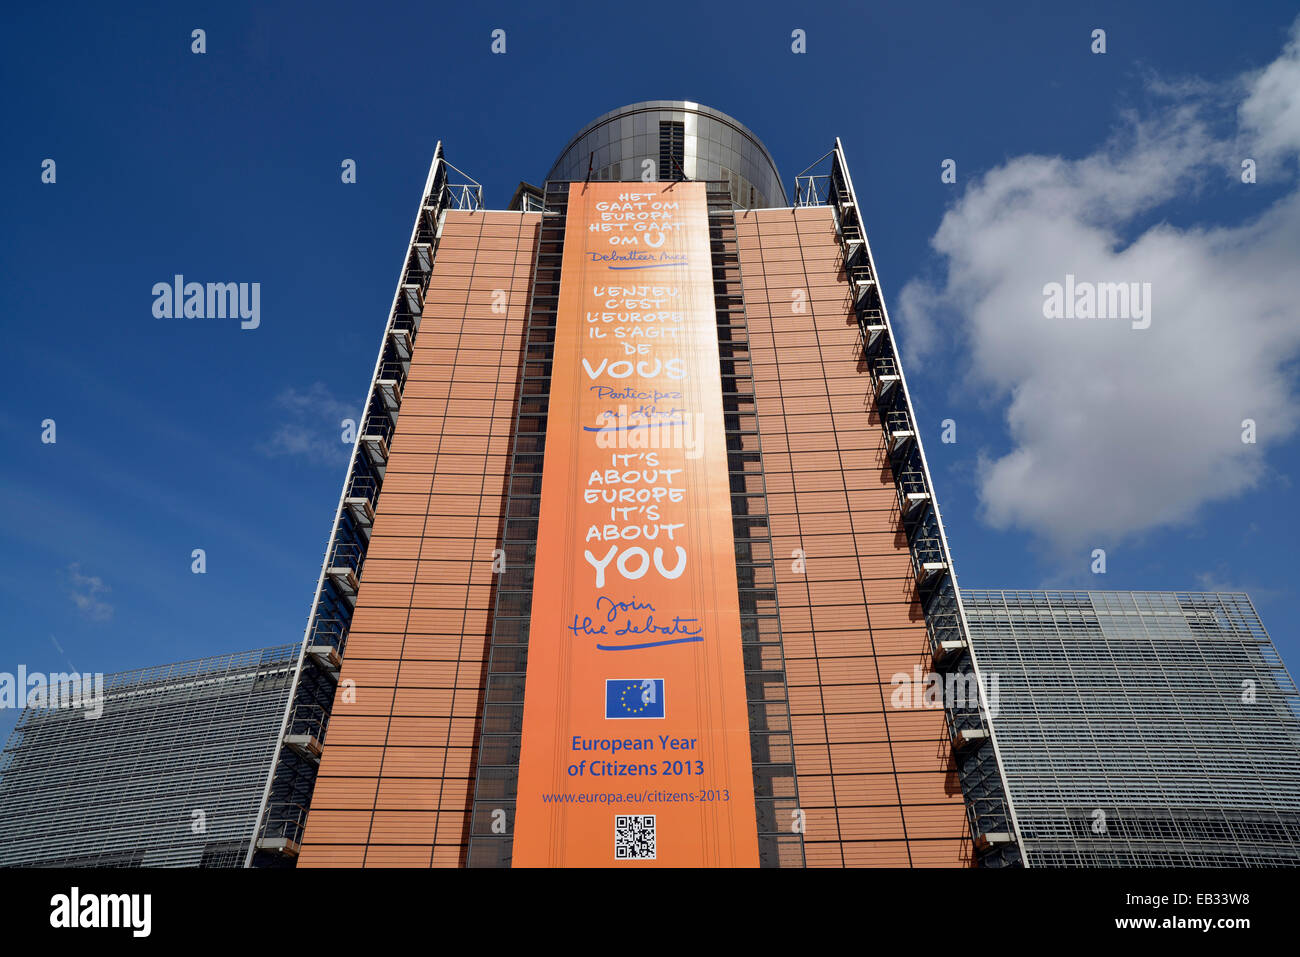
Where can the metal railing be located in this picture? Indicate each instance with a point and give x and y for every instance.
(308, 720)
(911, 482)
(392, 372)
(988, 815)
(942, 627)
(363, 487)
(860, 274)
(461, 196)
(882, 366)
(405, 322)
(377, 427)
(927, 550)
(812, 190)
(961, 718)
(329, 631)
(347, 555)
(897, 421)
(285, 821)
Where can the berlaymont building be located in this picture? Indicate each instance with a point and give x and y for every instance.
(638, 562)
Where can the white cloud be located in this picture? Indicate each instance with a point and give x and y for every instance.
(311, 426)
(1270, 115)
(1115, 430)
(86, 592)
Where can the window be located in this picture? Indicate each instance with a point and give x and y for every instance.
(672, 150)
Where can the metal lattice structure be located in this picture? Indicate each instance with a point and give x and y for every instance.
(1142, 728)
(169, 775)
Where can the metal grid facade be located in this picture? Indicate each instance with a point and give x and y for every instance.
(1142, 728)
(170, 775)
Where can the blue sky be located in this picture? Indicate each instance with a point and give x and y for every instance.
(225, 167)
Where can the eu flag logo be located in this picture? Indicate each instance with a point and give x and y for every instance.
(634, 697)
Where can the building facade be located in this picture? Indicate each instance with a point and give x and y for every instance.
(1142, 729)
(1137, 729)
(170, 773)
(433, 582)
(638, 562)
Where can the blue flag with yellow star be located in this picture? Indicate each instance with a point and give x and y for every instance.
(634, 697)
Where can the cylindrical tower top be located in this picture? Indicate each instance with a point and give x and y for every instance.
(680, 140)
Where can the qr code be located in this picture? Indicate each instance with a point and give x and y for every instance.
(634, 837)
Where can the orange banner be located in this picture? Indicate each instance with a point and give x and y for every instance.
(636, 735)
